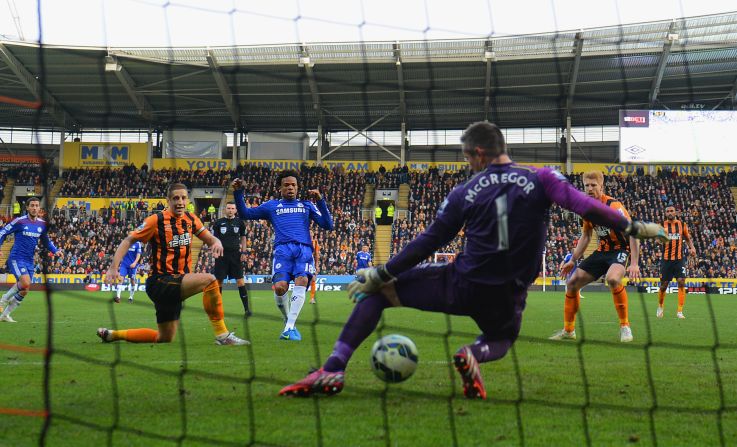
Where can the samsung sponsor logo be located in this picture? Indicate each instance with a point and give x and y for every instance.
(281, 211)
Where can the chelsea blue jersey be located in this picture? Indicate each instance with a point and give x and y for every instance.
(133, 251)
(290, 218)
(363, 260)
(27, 232)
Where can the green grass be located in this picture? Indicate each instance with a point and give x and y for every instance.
(200, 392)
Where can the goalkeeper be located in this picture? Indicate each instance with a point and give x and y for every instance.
(504, 209)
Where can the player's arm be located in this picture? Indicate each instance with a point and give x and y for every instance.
(583, 242)
(256, 213)
(320, 212)
(46, 240)
(689, 241)
(559, 191)
(199, 230)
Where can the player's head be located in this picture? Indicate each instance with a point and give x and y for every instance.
(33, 206)
(593, 184)
(288, 182)
(230, 210)
(364, 248)
(177, 197)
(481, 143)
(670, 212)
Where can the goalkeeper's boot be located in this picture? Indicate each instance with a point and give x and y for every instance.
(563, 335)
(625, 334)
(468, 368)
(316, 382)
(105, 334)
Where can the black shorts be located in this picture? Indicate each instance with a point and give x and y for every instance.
(228, 266)
(672, 269)
(599, 262)
(166, 293)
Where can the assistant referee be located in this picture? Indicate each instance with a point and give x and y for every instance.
(232, 233)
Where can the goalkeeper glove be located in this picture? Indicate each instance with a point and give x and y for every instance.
(647, 230)
(368, 281)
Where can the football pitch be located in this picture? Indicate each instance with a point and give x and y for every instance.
(663, 388)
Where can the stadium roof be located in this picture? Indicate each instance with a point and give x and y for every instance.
(520, 81)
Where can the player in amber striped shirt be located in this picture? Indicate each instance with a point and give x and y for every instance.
(169, 233)
(673, 265)
(609, 259)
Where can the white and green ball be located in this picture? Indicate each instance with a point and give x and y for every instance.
(394, 358)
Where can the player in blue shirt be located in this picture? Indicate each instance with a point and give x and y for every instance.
(363, 258)
(293, 257)
(504, 209)
(27, 230)
(128, 269)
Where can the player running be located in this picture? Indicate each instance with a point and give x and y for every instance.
(673, 265)
(27, 229)
(504, 210)
(128, 270)
(170, 283)
(293, 257)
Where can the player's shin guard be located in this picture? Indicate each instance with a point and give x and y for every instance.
(12, 304)
(244, 297)
(295, 306)
(10, 293)
(282, 303)
(142, 335)
(681, 297)
(570, 309)
(212, 301)
(620, 304)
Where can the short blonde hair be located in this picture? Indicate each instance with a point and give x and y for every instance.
(596, 175)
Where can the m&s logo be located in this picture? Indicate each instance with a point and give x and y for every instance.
(104, 153)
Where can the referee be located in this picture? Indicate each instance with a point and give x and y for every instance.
(232, 233)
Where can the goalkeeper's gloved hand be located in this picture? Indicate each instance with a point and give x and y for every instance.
(368, 281)
(647, 230)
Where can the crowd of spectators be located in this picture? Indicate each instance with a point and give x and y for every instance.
(704, 203)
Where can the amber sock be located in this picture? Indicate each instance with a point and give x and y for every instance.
(570, 309)
(212, 301)
(661, 298)
(143, 335)
(620, 304)
(681, 298)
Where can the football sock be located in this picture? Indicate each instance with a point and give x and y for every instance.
(313, 288)
(212, 301)
(244, 297)
(12, 304)
(681, 297)
(661, 298)
(120, 289)
(620, 304)
(143, 335)
(570, 308)
(282, 303)
(360, 325)
(295, 307)
(13, 290)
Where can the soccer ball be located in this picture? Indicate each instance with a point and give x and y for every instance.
(394, 358)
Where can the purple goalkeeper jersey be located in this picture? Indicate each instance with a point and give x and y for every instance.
(505, 210)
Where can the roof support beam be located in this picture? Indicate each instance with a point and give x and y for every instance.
(230, 101)
(362, 132)
(573, 78)
(655, 87)
(113, 65)
(490, 58)
(733, 95)
(304, 61)
(400, 82)
(39, 92)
